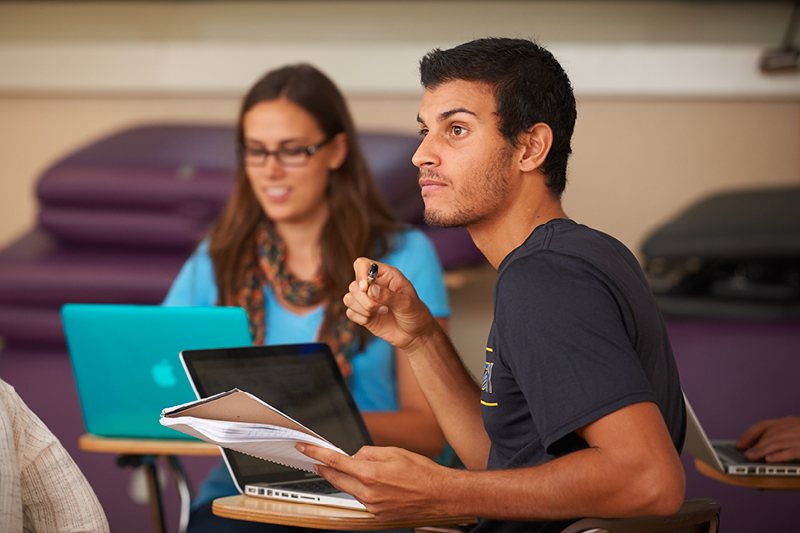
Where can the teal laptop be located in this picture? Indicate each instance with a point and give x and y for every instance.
(127, 365)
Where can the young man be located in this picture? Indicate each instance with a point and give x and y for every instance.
(580, 411)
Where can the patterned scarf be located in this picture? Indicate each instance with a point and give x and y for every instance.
(270, 268)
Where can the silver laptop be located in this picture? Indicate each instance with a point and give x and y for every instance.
(723, 455)
(301, 380)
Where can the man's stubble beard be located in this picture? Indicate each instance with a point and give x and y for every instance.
(476, 198)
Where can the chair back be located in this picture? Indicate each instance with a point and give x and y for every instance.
(698, 515)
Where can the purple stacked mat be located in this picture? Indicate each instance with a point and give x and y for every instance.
(119, 216)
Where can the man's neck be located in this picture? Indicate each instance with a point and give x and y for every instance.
(498, 236)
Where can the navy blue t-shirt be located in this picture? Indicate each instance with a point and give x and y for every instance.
(576, 336)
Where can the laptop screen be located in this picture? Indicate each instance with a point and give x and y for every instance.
(302, 380)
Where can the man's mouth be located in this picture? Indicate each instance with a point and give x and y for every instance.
(428, 185)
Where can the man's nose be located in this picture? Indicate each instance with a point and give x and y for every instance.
(426, 153)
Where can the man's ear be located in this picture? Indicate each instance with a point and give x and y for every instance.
(339, 146)
(535, 144)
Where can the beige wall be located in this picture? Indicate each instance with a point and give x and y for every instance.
(635, 163)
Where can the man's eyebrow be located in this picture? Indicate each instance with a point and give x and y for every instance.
(450, 112)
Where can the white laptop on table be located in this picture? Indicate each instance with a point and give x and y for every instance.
(301, 380)
(723, 455)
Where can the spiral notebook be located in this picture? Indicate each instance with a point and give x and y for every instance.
(302, 382)
(239, 421)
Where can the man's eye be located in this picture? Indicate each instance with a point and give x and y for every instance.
(458, 130)
(423, 132)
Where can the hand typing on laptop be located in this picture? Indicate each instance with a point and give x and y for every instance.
(774, 441)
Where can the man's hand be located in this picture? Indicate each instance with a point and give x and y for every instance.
(774, 441)
(392, 483)
(388, 306)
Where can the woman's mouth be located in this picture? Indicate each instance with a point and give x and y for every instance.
(276, 193)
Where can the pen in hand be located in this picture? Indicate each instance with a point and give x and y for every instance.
(373, 272)
(371, 275)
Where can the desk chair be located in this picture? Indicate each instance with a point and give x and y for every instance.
(699, 515)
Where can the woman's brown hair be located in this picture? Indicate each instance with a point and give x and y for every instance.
(359, 223)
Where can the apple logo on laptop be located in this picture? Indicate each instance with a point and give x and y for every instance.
(163, 374)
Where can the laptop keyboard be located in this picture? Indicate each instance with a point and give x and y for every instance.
(318, 486)
(732, 453)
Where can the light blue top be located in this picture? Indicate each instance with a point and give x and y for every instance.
(373, 381)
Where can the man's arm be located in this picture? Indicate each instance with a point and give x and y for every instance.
(413, 426)
(53, 493)
(453, 395)
(390, 308)
(638, 475)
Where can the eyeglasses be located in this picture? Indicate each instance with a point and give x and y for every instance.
(286, 156)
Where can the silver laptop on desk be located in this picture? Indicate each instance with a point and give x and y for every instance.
(301, 380)
(723, 455)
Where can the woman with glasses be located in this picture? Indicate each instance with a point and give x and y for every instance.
(303, 209)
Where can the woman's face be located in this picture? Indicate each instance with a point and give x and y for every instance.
(289, 194)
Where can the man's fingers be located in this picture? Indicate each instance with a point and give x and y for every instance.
(386, 277)
(753, 433)
(377, 453)
(356, 300)
(361, 269)
(783, 456)
(343, 472)
(359, 319)
(333, 459)
(340, 480)
(375, 300)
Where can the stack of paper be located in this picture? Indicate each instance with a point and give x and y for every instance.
(239, 421)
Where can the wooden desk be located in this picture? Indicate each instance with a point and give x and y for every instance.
(266, 511)
(753, 482)
(93, 443)
(144, 453)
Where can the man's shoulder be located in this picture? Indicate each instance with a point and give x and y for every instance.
(567, 237)
(570, 245)
(565, 258)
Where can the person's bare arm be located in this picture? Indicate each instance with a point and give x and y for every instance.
(413, 426)
(390, 308)
(774, 441)
(630, 468)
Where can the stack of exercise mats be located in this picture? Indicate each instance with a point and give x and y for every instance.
(117, 219)
(726, 273)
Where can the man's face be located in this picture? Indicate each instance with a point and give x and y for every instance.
(464, 162)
